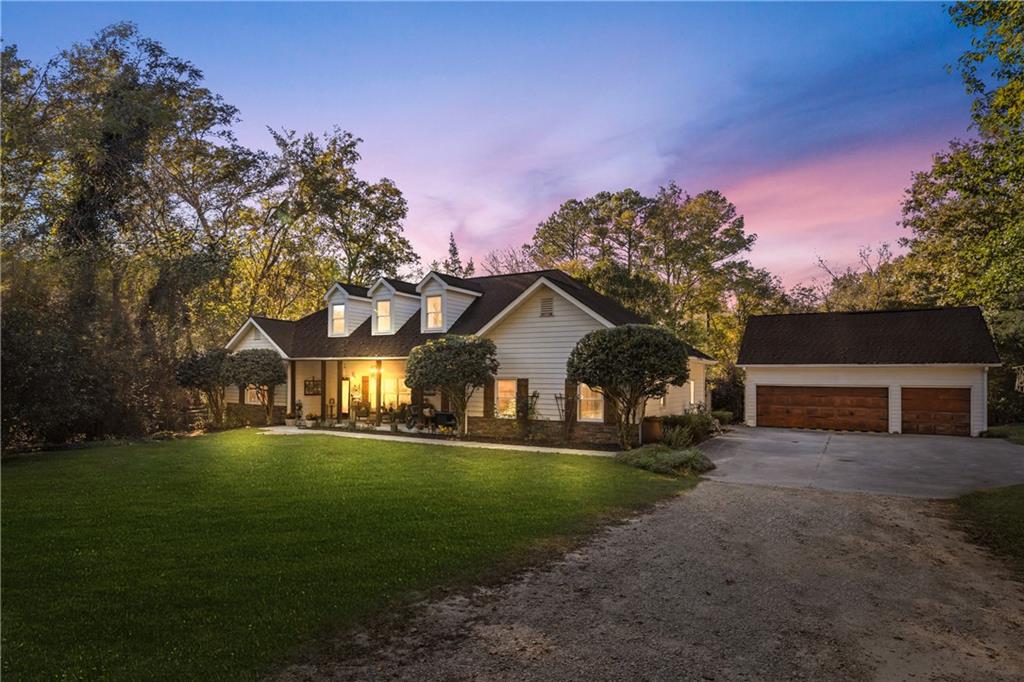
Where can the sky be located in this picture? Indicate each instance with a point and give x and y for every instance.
(810, 118)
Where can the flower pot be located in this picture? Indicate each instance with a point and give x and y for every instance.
(289, 422)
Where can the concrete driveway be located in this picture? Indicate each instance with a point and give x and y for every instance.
(892, 464)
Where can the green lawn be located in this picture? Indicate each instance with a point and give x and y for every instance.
(1012, 432)
(995, 518)
(218, 557)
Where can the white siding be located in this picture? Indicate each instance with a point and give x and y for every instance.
(536, 348)
(454, 305)
(356, 311)
(895, 378)
(402, 308)
(252, 339)
(682, 398)
(280, 395)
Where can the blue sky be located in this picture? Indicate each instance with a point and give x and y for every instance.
(810, 117)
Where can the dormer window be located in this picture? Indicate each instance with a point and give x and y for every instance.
(435, 316)
(383, 316)
(338, 319)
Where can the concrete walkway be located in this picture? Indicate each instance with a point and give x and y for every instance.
(296, 431)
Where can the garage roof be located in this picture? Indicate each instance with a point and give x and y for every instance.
(884, 337)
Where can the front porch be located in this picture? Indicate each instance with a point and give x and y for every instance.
(363, 389)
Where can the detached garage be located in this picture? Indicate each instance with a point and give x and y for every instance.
(901, 371)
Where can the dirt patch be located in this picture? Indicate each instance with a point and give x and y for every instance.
(727, 582)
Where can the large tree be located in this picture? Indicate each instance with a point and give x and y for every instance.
(136, 230)
(629, 365)
(453, 265)
(360, 221)
(457, 365)
(997, 44)
(673, 257)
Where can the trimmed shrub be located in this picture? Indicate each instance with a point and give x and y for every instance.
(723, 416)
(678, 437)
(701, 424)
(661, 459)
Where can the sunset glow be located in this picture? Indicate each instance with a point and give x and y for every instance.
(489, 116)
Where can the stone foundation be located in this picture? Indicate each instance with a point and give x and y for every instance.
(252, 415)
(542, 431)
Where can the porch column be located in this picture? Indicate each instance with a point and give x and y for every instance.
(323, 389)
(294, 385)
(340, 376)
(378, 392)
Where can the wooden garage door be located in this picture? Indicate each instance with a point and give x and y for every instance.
(945, 411)
(844, 408)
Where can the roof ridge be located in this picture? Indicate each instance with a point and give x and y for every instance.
(872, 312)
(513, 274)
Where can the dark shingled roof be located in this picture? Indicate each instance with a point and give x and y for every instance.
(459, 282)
(354, 289)
(884, 337)
(404, 287)
(307, 337)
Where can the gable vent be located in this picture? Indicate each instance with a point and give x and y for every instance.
(547, 307)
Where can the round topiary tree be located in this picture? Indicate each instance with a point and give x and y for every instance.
(207, 373)
(629, 365)
(262, 368)
(458, 365)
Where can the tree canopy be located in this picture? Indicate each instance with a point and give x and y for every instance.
(629, 365)
(456, 364)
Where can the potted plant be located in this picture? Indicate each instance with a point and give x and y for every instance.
(289, 419)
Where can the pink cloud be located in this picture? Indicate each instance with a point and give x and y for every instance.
(827, 207)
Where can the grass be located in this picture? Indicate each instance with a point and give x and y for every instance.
(1012, 432)
(220, 557)
(995, 518)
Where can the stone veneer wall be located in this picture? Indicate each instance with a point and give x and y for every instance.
(252, 415)
(542, 431)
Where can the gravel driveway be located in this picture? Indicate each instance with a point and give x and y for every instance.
(727, 582)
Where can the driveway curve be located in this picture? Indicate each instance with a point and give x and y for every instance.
(727, 582)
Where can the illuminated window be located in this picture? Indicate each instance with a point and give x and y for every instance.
(394, 392)
(254, 394)
(383, 316)
(338, 318)
(591, 404)
(435, 318)
(505, 399)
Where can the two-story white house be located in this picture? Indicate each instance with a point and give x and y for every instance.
(351, 354)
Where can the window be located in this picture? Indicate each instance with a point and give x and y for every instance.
(254, 394)
(338, 318)
(435, 318)
(394, 392)
(505, 399)
(383, 316)
(547, 307)
(591, 404)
